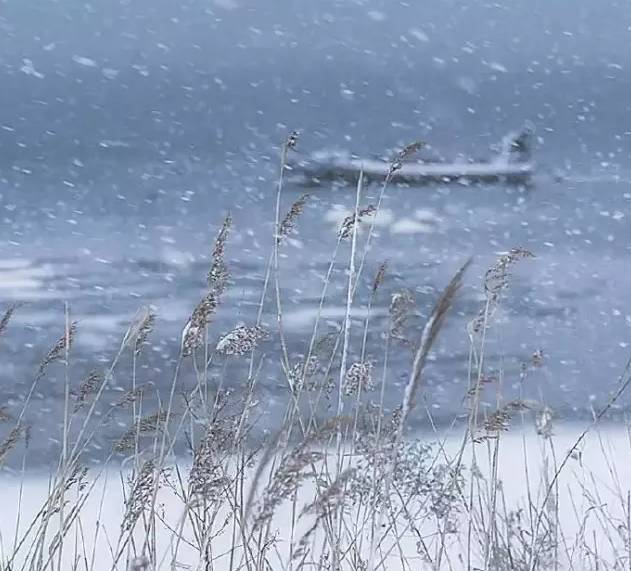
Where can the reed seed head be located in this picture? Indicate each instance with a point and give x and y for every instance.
(5, 415)
(218, 274)
(405, 153)
(58, 352)
(358, 378)
(193, 334)
(8, 314)
(288, 223)
(141, 494)
(144, 426)
(139, 564)
(303, 371)
(496, 281)
(292, 140)
(139, 329)
(496, 277)
(537, 358)
(131, 396)
(543, 422)
(401, 306)
(9, 443)
(333, 496)
(207, 482)
(379, 276)
(88, 387)
(286, 481)
(350, 221)
(241, 340)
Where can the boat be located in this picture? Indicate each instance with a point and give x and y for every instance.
(512, 164)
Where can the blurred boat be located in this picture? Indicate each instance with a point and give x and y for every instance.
(512, 164)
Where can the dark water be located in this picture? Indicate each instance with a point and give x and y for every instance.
(128, 130)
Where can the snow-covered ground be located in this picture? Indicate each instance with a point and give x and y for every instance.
(590, 500)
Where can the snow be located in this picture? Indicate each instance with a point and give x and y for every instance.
(141, 69)
(426, 215)
(303, 319)
(347, 93)
(108, 144)
(594, 473)
(497, 66)
(14, 264)
(383, 217)
(110, 73)
(410, 226)
(22, 280)
(467, 84)
(85, 61)
(29, 69)
(226, 4)
(377, 15)
(419, 34)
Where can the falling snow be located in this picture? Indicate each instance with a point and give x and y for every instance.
(85, 61)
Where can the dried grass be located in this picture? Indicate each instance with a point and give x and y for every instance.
(6, 318)
(332, 490)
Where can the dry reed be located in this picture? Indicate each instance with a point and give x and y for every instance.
(355, 488)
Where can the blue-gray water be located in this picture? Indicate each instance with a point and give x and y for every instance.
(129, 129)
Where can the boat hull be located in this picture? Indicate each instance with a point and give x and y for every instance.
(415, 173)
